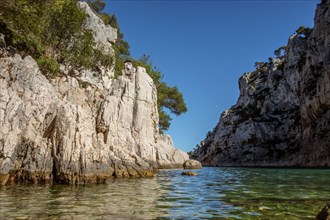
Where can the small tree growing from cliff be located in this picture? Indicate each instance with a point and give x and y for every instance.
(280, 52)
(262, 66)
(97, 5)
(121, 46)
(303, 31)
(168, 97)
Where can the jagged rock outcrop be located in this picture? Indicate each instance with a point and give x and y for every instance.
(82, 126)
(104, 35)
(282, 117)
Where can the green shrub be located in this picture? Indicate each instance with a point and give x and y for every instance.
(121, 46)
(105, 60)
(280, 52)
(97, 5)
(50, 31)
(168, 97)
(303, 31)
(49, 66)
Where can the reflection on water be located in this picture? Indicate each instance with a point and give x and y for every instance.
(221, 193)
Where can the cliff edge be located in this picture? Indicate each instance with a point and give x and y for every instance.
(82, 126)
(282, 116)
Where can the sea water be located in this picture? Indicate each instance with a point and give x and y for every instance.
(216, 193)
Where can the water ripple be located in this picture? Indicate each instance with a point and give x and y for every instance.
(216, 193)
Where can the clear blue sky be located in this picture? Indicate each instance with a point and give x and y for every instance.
(203, 47)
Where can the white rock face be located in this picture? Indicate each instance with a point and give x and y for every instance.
(67, 133)
(104, 35)
(81, 127)
(282, 117)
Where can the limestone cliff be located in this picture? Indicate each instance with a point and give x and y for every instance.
(282, 116)
(82, 126)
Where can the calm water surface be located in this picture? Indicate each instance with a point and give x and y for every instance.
(218, 193)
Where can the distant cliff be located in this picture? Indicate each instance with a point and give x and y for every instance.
(81, 126)
(282, 116)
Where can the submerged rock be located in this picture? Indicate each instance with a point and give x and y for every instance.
(282, 116)
(188, 174)
(324, 214)
(192, 164)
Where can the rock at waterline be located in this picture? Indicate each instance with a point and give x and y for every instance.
(192, 164)
(188, 174)
(82, 126)
(324, 214)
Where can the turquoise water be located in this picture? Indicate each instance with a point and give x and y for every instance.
(216, 193)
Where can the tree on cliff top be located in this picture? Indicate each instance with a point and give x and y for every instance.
(51, 32)
(304, 32)
(97, 5)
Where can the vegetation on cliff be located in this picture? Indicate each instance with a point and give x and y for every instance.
(169, 97)
(51, 31)
(263, 85)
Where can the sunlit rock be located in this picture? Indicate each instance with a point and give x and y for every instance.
(192, 164)
(189, 174)
(83, 126)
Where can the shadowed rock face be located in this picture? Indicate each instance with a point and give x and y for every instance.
(80, 127)
(282, 117)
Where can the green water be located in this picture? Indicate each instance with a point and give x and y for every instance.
(216, 193)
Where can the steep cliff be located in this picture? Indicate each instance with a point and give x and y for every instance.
(282, 116)
(82, 126)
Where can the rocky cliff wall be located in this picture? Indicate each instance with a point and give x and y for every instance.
(82, 126)
(282, 116)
